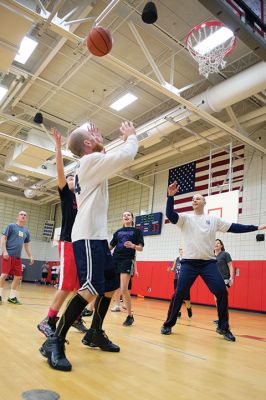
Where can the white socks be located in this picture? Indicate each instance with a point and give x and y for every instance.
(13, 293)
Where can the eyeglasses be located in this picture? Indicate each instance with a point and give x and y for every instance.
(25, 215)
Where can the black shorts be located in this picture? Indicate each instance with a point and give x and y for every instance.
(54, 277)
(44, 275)
(125, 266)
(95, 266)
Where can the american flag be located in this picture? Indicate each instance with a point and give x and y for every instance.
(194, 178)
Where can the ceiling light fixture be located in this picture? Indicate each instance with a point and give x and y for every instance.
(3, 92)
(12, 178)
(26, 49)
(123, 102)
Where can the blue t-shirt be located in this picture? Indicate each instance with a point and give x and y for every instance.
(16, 237)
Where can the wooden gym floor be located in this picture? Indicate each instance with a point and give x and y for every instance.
(192, 363)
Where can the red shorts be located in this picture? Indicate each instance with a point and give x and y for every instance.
(12, 266)
(68, 278)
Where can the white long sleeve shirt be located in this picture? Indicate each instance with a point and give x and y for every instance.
(199, 234)
(91, 189)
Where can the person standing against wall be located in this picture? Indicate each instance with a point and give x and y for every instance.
(45, 269)
(225, 267)
(176, 268)
(14, 237)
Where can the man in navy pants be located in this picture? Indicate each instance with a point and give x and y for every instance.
(199, 234)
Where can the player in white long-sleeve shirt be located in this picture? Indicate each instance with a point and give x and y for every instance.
(96, 271)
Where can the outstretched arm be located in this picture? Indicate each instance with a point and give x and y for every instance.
(61, 180)
(240, 228)
(170, 213)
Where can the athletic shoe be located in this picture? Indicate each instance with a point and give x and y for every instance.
(179, 315)
(227, 334)
(98, 338)
(86, 313)
(189, 312)
(166, 330)
(79, 325)
(54, 350)
(129, 320)
(48, 326)
(0, 300)
(115, 309)
(14, 300)
(215, 322)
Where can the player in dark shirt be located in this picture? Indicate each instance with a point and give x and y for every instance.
(176, 268)
(68, 278)
(224, 264)
(125, 242)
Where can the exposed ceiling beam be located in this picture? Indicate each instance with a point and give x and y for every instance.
(167, 92)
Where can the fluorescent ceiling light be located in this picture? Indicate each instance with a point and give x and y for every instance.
(3, 92)
(26, 49)
(123, 102)
(12, 178)
(214, 40)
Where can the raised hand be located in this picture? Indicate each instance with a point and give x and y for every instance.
(127, 129)
(173, 189)
(57, 137)
(93, 130)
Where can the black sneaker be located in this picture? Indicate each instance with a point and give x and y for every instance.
(215, 322)
(0, 300)
(14, 300)
(98, 338)
(129, 320)
(166, 330)
(86, 313)
(227, 334)
(54, 350)
(48, 326)
(79, 325)
(189, 312)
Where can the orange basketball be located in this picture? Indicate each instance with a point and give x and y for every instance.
(99, 41)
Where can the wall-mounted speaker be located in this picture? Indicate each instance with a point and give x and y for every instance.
(260, 237)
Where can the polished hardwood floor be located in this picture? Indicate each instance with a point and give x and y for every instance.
(192, 363)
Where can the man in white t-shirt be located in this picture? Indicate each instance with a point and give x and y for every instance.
(199, 234)
(96, 271)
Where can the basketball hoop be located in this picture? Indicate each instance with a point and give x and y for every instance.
(209, 43)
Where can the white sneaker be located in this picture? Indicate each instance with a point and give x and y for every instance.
(115, 308)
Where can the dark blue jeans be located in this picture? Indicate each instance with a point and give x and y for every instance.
(208, 270)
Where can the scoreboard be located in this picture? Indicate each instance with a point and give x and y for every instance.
(149, 224)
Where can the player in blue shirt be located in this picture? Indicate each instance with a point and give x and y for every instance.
(14, 237)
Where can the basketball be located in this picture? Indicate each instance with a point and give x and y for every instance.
(99, 41)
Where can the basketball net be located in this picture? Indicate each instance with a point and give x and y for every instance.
(209, 43)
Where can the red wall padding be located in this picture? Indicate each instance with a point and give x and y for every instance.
(248, 291)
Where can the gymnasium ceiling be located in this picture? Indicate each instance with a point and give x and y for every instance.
(69, 86)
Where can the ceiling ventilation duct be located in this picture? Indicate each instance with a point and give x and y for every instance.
(31, 160)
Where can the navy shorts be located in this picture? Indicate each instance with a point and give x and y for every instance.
(125, 266)
(95, 266)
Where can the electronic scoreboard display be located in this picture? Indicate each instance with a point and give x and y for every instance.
(149, 224)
